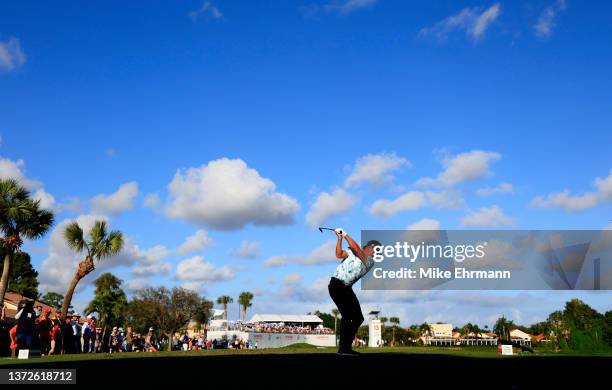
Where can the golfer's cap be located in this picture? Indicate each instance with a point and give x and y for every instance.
(151, 328)
(114, 328)
(373, 243)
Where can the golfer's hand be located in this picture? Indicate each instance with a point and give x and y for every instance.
(340, 232)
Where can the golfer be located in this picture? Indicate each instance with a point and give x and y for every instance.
(356, 262)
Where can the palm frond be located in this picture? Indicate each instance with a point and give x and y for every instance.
(11, 190)
(74, 237)
(98, 233)
(37, 222)
(110, 246)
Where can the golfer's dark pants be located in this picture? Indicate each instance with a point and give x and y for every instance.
(348, 305)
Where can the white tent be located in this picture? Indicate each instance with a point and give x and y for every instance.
(287, 318)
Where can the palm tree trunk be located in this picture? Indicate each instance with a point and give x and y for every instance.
(225, 311)
(68, 296)
(244, 313)
(5, 276)
(85, 267)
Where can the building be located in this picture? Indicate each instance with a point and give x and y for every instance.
(273, 330)
(442, 334)
(520, 337)
(11, 302)
(441, 330)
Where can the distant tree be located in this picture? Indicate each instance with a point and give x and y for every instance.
(109, 302)
(204, 314)
(336, 314)
(24, 278)
(586, 326)
(328, 319)
(364, 332)
(383, 321)
(54, 300)
(502, 328)
(167, 311)
(225, 300)
(395, 321)
(425, 330)
(607, 336)
(246, 300)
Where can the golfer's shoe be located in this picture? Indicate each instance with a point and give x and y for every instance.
(349, 353)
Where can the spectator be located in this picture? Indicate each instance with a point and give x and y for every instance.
(44, 330)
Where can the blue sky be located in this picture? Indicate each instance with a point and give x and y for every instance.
(255, 121)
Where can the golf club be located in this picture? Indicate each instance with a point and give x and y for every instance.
(326, 228)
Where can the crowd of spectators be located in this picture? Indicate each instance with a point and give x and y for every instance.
(281, 327)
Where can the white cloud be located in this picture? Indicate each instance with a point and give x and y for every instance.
(117, 202)
(425, 224)
(292, 279)
(566, 201)
(152, 201)
(151, 269)
(247, 250)
(133, 285)
(278, 261)
(208, 11)
(74, 205)
(315, 292)
(374, 169)
(47, 201)
(324, 253)
(474, 21)
(487, 217)
(227, 195)
(547, 20)
(196, 269)
(196, 242)
(415, 200)
(445, 199)
(12, 56)
(347, 6)
(462, 168)
(10, 169)
(412, 200)
(328, 205)
(502, 188)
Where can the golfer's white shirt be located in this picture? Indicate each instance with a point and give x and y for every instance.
(352, 268)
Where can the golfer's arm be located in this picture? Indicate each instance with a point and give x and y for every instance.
(340, 253)
(356, 248)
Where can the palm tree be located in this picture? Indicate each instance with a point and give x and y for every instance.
(502, 328)
(425, 329)
(395, 321)
(476, 330)
(336, 313)
(383, 321)
(245, 299)
(109, 302)
(101, 244)
(225, 300)
(20, 217)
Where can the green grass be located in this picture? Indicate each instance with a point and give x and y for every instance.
(467, 352)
